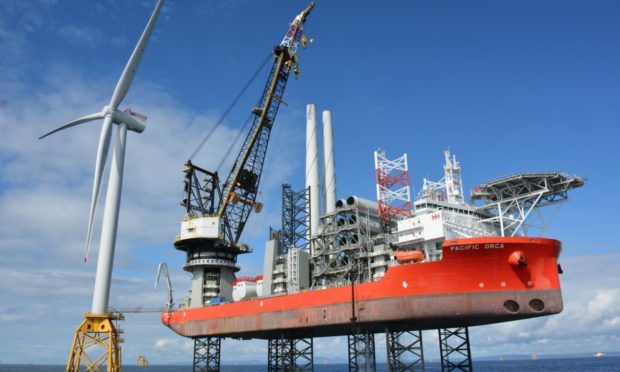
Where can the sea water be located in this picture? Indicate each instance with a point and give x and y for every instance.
(607, 364)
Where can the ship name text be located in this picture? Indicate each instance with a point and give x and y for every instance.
(475, 247)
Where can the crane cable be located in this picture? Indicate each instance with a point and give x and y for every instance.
(232, 105)
(234, 143)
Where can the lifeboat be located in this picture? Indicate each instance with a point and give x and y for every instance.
(409, 256)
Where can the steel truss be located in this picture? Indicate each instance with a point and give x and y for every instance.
(452, 178)
(450, 187)
(201, 190)
(393, 191)
(290, 354)
(361, 351)
(405, 351)
(295, 219)
(242, 183)
(343, 248)
(511, 200)
(455, 350)
(276, 354)
(303, 355)
(207, 354)
(96, 343)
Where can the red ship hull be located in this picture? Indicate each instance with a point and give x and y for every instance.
(478, 281)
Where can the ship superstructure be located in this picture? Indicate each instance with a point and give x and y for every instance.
(356, 239)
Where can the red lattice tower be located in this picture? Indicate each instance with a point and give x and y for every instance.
(393, 191)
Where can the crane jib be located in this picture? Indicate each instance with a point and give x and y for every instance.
(242, 185)
(227, 206)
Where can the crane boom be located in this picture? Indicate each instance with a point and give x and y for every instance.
(216, 213)
(232, 202)
(241, 187)
(242, 184)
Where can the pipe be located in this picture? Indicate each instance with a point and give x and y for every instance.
(340, 221)
(353, 239)
(362, 203)
(340, 203)
(329, 163)
(346, 239)
(312, 169)
(369, 224)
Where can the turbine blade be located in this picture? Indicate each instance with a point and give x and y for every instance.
(78, 121)
(102, 155)
(132, 66)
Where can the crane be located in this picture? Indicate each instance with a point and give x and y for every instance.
(216, 213)
(161, 268)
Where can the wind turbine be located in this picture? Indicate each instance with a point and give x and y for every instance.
(125, 121)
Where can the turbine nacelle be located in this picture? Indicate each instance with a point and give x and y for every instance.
(118, 117)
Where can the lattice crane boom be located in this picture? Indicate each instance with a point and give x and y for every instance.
(241, 186)
(232, 203)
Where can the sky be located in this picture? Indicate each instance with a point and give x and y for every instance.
(510, 86)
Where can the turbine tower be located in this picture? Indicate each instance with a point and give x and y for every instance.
(97, 324)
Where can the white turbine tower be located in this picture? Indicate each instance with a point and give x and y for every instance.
(125, 121)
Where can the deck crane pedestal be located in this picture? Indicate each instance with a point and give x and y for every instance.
(216, 214)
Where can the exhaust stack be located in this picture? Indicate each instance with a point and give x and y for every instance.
(329, 162)
(312, 168)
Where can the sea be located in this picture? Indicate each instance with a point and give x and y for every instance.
(607, 364)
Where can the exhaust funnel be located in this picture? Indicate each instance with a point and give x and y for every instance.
(329, 163)
(312, 168)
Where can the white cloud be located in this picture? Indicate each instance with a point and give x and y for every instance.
(45, 189)
(80, 34)
(119, 42)
(11, 317)
(587, 323)
(167, 343)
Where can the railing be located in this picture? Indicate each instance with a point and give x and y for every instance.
(211, 262)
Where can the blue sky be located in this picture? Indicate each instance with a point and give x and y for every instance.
(507, 86)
